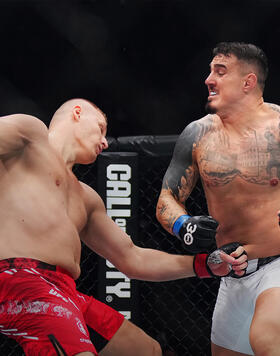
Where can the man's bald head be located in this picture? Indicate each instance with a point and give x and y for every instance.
(71, 106)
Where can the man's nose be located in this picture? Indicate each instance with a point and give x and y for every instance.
(209, 80)
(105, 143)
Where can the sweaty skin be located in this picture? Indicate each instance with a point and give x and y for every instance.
(42, 204)
(45, 211)
(235, 151)
(240, 175)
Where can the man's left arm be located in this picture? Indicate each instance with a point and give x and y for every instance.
(107, 239)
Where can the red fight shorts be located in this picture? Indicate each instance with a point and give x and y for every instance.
(42, 310)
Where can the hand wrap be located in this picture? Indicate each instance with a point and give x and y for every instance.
(196, 232)
(202, 262)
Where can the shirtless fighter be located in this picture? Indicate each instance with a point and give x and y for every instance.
(44, 212)
(235, 150)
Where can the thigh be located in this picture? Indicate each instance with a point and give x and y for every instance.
(232, 316)
(265, 328)
(221, 351)
(123, 338)
(267, 309)
(41, 317)
(101, 317)
(131, 340)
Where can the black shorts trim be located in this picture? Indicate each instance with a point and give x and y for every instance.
(58, 348)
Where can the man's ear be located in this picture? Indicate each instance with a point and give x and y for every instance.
(250, 82)
(77, 112)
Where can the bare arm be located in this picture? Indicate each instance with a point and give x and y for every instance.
(181, 175)
(16, 131)
(108, 240)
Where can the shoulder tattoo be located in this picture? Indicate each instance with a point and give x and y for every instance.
(182, 173)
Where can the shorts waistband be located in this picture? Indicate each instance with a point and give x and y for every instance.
(256, 264)
(22, 262)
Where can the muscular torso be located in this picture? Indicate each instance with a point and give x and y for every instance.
(240, 175)
(239, 166)
(42, 208)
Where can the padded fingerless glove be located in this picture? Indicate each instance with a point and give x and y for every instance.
(201, 261)
(196, 232)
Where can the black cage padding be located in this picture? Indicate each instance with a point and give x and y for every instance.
(150, 146)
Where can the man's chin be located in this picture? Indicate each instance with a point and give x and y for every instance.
(87, 160)
(210, 109)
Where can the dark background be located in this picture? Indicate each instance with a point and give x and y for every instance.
(142, 62)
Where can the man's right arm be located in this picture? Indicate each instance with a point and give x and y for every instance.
(16, 131)
(179, 179)
(196, 232)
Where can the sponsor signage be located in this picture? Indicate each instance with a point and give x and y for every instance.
(118, 187)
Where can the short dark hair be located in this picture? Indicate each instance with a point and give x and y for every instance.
(248, 53)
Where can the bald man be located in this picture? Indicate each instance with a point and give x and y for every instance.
(45, 212)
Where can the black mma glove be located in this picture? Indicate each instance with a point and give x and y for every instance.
(212, 265)
(196, 232)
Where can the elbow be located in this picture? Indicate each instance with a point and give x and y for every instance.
(128, 269)
(159, 208)
(132, 274)
(135, 273)
(133, 269)
(157, 214)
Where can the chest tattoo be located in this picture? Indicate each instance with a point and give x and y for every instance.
(255, 157)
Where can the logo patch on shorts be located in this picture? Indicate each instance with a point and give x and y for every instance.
(87, 341)
(54, 292)
(81, 327)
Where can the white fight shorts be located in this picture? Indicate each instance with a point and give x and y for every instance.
(235, 306)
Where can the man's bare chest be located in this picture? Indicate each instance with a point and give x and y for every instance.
(70, 190)
(254, 157)
(58, 184)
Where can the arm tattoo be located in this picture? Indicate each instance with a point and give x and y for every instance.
(182, 173)
(274, 107)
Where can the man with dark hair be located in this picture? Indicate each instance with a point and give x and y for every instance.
(248, 53)
(45, 212)
(235, 151)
